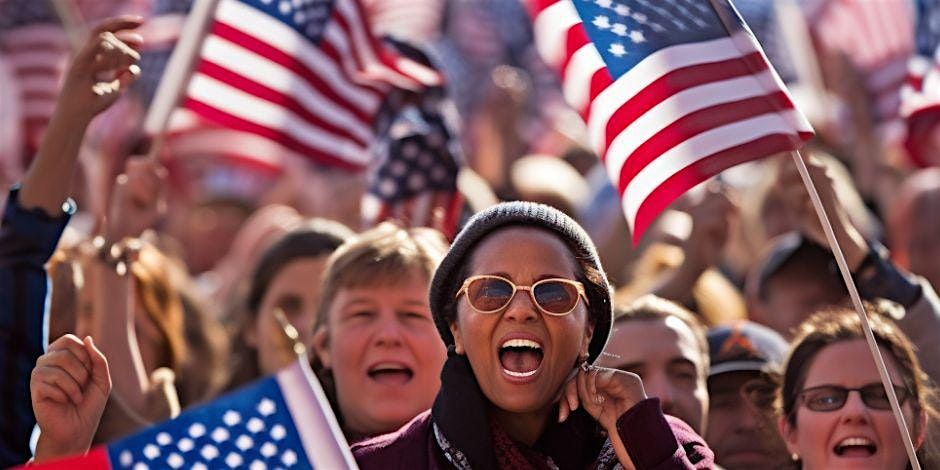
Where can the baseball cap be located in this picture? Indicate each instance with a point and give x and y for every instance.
(745, 346)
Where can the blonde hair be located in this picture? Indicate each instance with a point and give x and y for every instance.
(383, 255)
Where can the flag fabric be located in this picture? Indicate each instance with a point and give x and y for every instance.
(877, 36)
(920, 95)
(308, 76)
(37, 50)
(672, 93)
(282, 421)
(417, 158)
(161, 31)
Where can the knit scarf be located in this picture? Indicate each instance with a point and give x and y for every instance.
(471, 439)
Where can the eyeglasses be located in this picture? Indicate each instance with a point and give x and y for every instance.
(490, 294)
(833, 397)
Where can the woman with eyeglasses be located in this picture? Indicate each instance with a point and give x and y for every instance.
(524, 307)
(834, 413)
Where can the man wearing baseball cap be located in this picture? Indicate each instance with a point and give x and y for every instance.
(746, 360)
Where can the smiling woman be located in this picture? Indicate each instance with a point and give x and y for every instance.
(377, 352)
(834, 411)
(524, 307)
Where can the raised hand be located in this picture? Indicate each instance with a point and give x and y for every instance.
(103, 69)
(800, 210)
(605, 394)
(99, 74)
(69, 388)
(138, 199)
(711, 226)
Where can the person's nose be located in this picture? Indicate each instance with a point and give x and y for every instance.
(521, 308)
(657, 385)
(388, 331)
(747, 418)
(854, 410)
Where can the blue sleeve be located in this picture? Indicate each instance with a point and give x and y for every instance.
(27, 240)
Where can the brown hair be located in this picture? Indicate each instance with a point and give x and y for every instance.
(380, 256)
(836, 325)
(313, 238)
(160, 300)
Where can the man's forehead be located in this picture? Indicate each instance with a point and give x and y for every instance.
(641, 339)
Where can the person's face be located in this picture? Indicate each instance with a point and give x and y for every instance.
(295, 289)
(666, 355)
(384, 352)
(739, 433)
(522, 379)
(790, 300)
(820, 437)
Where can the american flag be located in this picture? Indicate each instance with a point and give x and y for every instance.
(673, 93)
(419, 156)
(306, 74)
(283, 421)
(920, 95)
(877, 36)
(161, 31)
(35, 44)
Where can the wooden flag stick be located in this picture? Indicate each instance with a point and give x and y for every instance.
(859, 309)
(178, 70)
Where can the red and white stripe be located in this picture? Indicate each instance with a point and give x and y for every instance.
(878, 37)
(682, 115)
(257, 75)
(38, 55)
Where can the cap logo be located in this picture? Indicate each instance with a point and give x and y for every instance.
(737, 344)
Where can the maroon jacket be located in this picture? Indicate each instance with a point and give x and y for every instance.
(654, 441)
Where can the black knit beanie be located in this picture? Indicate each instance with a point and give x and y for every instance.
(445, 284)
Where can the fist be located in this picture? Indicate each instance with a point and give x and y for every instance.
(69, 388)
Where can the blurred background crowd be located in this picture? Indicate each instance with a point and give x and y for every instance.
(185, 245)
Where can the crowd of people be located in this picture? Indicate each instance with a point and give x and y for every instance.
(536, 337)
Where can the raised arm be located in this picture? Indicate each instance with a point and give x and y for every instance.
(34, 219)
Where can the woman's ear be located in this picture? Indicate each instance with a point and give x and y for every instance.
(586, 340)
(788, 432)
(458, 340)
(921, 429)
(321, 346)
(250, 335)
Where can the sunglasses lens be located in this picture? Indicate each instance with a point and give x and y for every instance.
(555, 296)
(825, 398)
(875, 397)
(489, 294)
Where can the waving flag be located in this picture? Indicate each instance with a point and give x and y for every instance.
(877, 36)
(920, 95)
(34, 42)
(672, 92)
(308, 76)
(283, 421)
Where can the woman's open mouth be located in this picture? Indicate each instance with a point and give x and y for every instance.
(390, 373)
(520, 358)
(855, 447)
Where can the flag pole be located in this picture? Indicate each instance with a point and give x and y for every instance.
(177, 73)
(859, 308)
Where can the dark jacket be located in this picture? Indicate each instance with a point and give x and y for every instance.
(27, 240)
(459, 432)
(651, 438)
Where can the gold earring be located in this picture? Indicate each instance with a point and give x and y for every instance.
(794, 456)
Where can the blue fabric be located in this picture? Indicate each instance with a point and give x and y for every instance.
(27, 240)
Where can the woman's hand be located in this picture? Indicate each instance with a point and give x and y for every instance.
(103, 69)
(69, 388)
(605, 394)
